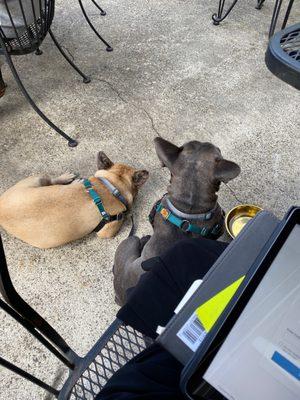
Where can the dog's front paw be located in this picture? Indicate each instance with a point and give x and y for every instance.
(143, 241)
(65, 178)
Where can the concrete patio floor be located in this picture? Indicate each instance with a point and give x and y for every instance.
(171, 72)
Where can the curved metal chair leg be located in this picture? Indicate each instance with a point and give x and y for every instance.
(276, 13)
(259, 4)
(219, 16)
(71, 142)
(277, 8)
(108, 47)
(102, 12)
(38, 52)
(86, 79)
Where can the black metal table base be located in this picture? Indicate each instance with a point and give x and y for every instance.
(223, 13)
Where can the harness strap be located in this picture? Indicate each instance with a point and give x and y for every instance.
(185, 225)
(106, 217)
(103, 222)
(114, 191)
(96, 199)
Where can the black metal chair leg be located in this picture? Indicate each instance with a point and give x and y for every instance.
(259, 4)
(219, 16)
(108, 47)
(28, 376)
(38, 52)
(102, 12)
(275, 16)
(86, 79)
(71, 142)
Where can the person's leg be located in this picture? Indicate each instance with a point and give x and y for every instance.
(155, 374)
(152, 375)
(153, 300)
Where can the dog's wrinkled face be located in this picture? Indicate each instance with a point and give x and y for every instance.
(196, 162)
(135, 178)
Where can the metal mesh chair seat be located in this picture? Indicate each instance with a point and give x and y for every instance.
(290, 43)
(27, 43)
(87, 375)
(283, 53)
(118, 345)
(24, 24)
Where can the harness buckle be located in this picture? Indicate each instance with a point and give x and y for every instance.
(105, 216)
(185, 225)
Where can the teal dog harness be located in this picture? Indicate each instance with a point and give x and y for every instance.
(181, 220)
(106, 217)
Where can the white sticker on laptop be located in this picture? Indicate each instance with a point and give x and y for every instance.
(192, 333)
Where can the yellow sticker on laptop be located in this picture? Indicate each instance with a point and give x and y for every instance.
(209, 312)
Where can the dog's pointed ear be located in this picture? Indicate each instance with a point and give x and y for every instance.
(226, 170)
(140, 177)
(166, 151)
(103, 162)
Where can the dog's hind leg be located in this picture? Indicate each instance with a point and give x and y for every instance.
(127, 267)
(38, 181)
(110, 230)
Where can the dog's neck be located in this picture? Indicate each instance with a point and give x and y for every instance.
(121, 184)
(193, 200)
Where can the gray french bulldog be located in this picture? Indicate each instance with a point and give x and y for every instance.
(189, 209)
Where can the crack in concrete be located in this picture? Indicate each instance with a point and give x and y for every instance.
(69, 52)
(234, 194)
(113, 89)
(139, 108)
(150, 118)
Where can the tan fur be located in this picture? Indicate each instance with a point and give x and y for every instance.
(45, 213)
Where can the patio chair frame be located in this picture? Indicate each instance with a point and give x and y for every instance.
(221, 14)
(87, 375)
(102, 13)
(276, 13)
(28, 39)
(283, 53)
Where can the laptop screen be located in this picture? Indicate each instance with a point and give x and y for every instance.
(260, 358)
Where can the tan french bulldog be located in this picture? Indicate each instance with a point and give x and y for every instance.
(49, 212)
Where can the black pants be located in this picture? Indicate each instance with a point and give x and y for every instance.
(155, 374)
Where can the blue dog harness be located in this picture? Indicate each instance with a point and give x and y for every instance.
(182, 220)
(106, 217)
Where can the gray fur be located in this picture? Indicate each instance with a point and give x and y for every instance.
(197, 170)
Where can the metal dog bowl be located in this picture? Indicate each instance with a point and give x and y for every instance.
(238, 217)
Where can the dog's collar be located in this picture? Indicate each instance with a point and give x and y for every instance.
(114, 191)
(106, 217)
(199, 217)
(182, 222)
